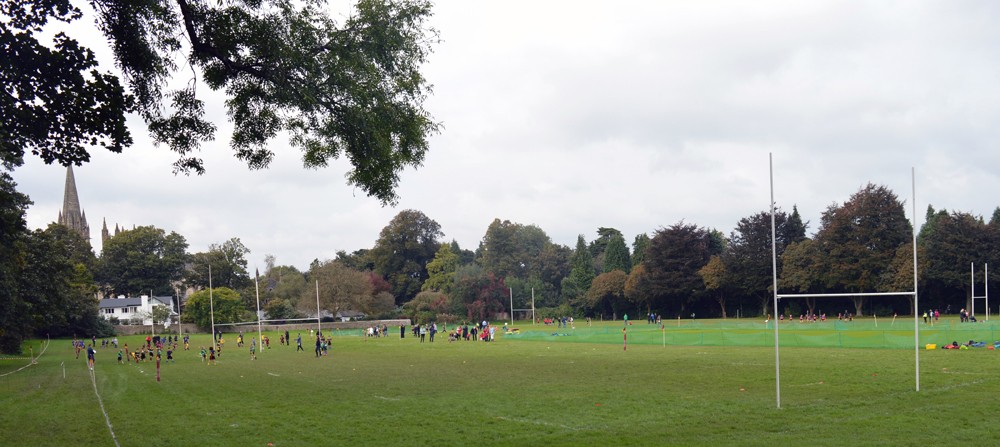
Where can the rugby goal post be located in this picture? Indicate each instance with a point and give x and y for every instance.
(777, 296)
(972, 285)
(526, 310)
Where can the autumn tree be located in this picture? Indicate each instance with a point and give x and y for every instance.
(606, 294)
(637, 288)
(716, 278)
(859, 240)
(478, 294)
(899, 276)
(340, 288)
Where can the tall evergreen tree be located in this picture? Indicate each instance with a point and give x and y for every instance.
(748, 255)
(581, 271)
(616, 256)
(639, 246)
(674, 257)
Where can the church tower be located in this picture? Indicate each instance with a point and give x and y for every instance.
(72, 215)
(105, 234)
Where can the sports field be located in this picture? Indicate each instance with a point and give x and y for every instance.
(545, 386)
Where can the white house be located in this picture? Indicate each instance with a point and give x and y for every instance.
(133, 309)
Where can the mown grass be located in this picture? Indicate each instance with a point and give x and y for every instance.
(389, 391)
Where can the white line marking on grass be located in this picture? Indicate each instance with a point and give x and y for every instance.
(957, 385)
(93, 380)
(34, 361)
(808, 384)
(273, 374)
(543, 423)
(387, 398)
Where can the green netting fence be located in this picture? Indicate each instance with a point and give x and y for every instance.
(831, 334)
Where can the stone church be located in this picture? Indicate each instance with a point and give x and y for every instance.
(72, 214)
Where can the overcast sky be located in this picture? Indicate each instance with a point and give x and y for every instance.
(626, 114)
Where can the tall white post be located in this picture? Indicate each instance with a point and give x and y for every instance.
(532, 305)
(256, 286)
(916, 307)
(152, 322)
(774, 285)
(986, 282)
(211, 302)
(511, 306)
(180, 326)
(972, 285)
(319, 325)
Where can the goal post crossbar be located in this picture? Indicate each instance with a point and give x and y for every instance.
(840, 295)
(776, 296)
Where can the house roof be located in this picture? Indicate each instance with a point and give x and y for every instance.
(118, 303)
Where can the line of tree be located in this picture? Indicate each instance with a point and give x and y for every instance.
(52, 279)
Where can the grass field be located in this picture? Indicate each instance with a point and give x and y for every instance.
(520, 390)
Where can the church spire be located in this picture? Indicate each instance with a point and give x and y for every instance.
(105, 234)
(72, 215)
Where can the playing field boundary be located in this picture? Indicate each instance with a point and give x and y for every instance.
(100, 402)
(817, 335)
(32, 361)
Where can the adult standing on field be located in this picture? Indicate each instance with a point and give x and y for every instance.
(298, 342)
(319, 345)
(287, 340)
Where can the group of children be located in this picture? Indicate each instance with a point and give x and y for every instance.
(149, 351)
(154, 348)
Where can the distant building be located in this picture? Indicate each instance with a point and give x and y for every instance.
(348, 315)
(133, 309)
(105, 234)
(72, 215)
